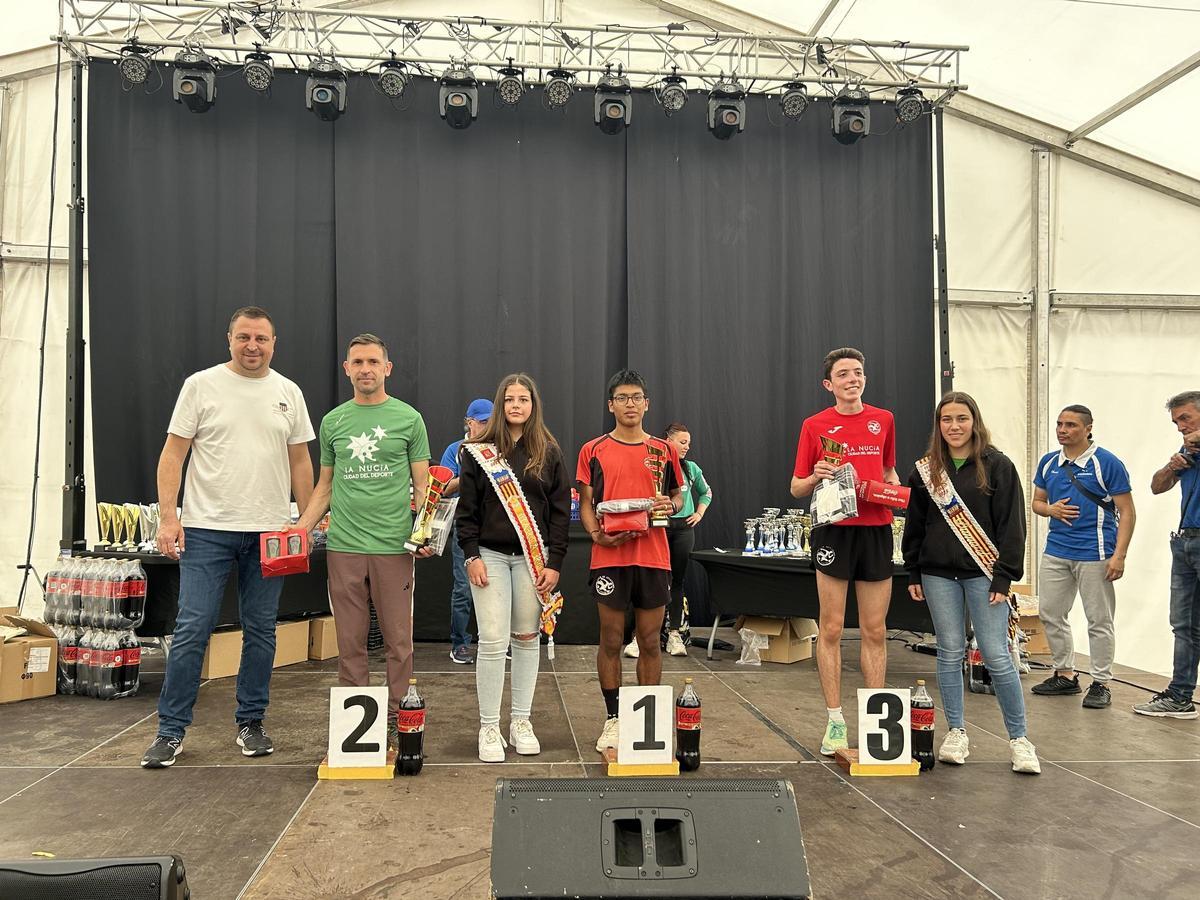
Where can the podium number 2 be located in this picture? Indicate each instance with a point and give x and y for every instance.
(370, 712)
(649, 705)
(887, 710)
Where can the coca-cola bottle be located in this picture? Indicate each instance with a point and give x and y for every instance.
(130, 650)
(71, 584)
(118, 588)
(89, 613)
(687, 728)
(410, 721)
(135, 590)
(979, 680)
(85, 671)
(68, 658)
(51, 613)
(921, 717)
(110, 662)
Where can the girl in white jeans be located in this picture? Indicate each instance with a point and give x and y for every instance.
(507, 605)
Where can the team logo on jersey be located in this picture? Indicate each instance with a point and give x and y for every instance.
(874, 427)
(825, 556)
(605, 586)
(282, 406)
(835, 429)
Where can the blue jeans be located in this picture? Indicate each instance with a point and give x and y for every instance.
(460, 595)
(1185, 614)
(949, 601)
(203, 570)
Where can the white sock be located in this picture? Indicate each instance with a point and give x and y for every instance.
(835, 715)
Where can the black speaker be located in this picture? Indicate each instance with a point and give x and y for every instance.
(647, 837)
(129, 878)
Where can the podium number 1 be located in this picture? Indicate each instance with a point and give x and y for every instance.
(648, 704)
(645, 715)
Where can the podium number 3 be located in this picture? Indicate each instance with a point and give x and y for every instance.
(649, 705)
(370, 712)
(889, 710)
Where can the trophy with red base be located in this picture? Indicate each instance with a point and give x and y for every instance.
(422, 533)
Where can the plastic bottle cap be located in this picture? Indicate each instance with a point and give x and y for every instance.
(920, 681)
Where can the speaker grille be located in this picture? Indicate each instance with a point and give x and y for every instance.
(125, 882)
(642, 785)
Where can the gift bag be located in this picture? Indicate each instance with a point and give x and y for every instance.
(834, 499)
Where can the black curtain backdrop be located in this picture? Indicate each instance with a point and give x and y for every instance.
(723, 271)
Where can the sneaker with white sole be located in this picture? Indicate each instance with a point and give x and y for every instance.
(522, 738)
(491, 744)
(162, 752)
(610, 734)
(1024, 757)
(631, 649)
(834, 739)
(1167, 705)
(253, 740)
(675, 646)
(955, 748)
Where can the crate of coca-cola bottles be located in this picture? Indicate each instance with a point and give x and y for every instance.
(93, 607)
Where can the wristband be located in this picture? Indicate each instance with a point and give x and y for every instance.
(469, 560)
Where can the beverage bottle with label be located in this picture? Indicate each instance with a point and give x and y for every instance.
(687, 728)
(71, 585)
(116, 592)
(85, 669)
(921, 718)
(979, 680)
(130, 649)
(68, 658)
(410, 721)
(110, 662)
(53, 612)
(135, 603)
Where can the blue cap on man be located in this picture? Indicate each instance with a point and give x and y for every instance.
(480, 410)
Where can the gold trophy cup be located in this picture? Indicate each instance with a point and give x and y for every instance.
(104, 514)
(116, 515)
(133, 512)
(657, 463)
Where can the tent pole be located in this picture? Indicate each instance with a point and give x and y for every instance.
(1039, 376)
(74, 489)
(943, 286)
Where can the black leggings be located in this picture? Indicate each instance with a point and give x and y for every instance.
(681, 539)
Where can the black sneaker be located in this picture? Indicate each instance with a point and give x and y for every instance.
(253, 740)
(1056, 685)
(162, 752)
(1098, 696)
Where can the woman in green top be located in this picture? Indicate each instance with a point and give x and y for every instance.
(697, 497)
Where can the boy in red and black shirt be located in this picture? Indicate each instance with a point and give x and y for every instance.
(857, 549)
(628, 568)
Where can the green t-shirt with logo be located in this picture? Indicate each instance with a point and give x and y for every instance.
(370, 448)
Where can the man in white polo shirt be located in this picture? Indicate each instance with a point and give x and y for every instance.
(247, 429)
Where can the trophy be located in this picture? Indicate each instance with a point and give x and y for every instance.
(898, 540)
(806, 536)
(833, 452)
(104, 514)
(422, 533)
(751, 526)
(132, 512)
(657, 464)
(148, 519)
(116, 515)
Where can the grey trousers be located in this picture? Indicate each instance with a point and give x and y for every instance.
(1059, 581)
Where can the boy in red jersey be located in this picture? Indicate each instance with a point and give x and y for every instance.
(858, 549)
(628, 568)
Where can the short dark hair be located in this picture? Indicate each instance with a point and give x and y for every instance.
(1192, 397)
(251, 312)
(1080, 410)
(833, 356)
(626, 376)
(364, 339)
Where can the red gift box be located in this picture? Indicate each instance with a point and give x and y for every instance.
(283, 553)
(616, 522)
(894, 495)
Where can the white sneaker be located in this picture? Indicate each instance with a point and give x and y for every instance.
(609, 736)
(955, 748)
(675, 645)
(632, 649)
(1024, 757)
(491, 744)
(522, 738)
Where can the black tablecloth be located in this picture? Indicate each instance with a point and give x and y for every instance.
(779, 586)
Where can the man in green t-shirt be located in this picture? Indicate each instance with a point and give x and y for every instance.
(373, 448)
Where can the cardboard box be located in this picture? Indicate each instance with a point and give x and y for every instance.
(788, 640)
(1029, 622)
(224, 653)
(322, 638)
(28, 664)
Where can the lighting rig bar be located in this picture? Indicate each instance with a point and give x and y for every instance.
(229, 34)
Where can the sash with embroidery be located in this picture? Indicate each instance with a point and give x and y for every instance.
(968, 531)
(516, 505)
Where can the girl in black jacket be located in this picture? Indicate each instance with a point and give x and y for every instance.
(965, 479)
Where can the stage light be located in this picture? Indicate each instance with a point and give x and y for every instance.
(393, 79)
(559, 88)
(613, 107)
(134, 64)
(259, 72)
(910, 104)
(794, 100)
(194, 83)
(726, 110)
(851, 115)
(325, 90)
(511, 86)
(672, 94)
(458, 97)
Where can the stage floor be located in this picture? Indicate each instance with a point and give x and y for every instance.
(1116, 811)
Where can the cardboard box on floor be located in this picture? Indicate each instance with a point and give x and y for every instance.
(322, 638)
(224, 653)
(28, 664)
(788, 640)
(1028, 620)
